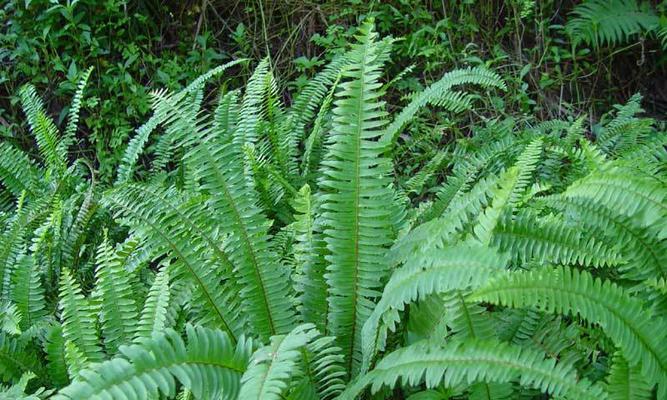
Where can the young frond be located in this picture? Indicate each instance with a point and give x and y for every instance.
(78, 317)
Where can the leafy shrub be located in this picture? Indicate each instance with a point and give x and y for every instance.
(268, 251)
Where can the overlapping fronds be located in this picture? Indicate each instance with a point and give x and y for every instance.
(209, 364)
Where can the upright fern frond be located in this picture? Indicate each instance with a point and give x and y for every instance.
(73, 115)
(78, 318)
(45, 130)
(154, 313)
(118, 312)
(265, 284)
(27, 292)
(355, 185)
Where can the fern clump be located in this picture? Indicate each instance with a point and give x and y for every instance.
(259, 249)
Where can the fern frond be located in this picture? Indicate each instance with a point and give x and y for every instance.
(181, 227)
(73, 114)
(470, 361)
(18, 173)
(54, 347)
(78, 318)
(439, 94)
(10, 318)
(154, 313)
(209, 365)
(609, 22)
(625, 382)
(45, 130)
(16, 358)
(644, 255)
(271, 366)
(565, 290)
(27, 291)
(118, 311)
(440, 271)
(355, 186)
(252, 112)
(627, 191)
(549, 240)
(265, 294)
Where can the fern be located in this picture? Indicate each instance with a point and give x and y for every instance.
(78, 317)
(472, 361)
(610, 22)
(565, 290)
(153, 316)
(209, 365)
(356, 221)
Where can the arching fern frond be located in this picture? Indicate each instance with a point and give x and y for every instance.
(439, 271)
(473, 361)
(565, 290)
(439, 94)
(209, 365)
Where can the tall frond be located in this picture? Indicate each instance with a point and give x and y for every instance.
(355, 186)
(44, 129)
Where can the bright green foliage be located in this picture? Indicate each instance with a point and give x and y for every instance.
(566, 290)
(209, 365)
(264, 248)
(473, 360)
(356, 219)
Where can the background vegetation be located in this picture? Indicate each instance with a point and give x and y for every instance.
(337, 199)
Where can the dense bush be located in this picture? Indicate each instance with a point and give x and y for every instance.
(256, 249)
